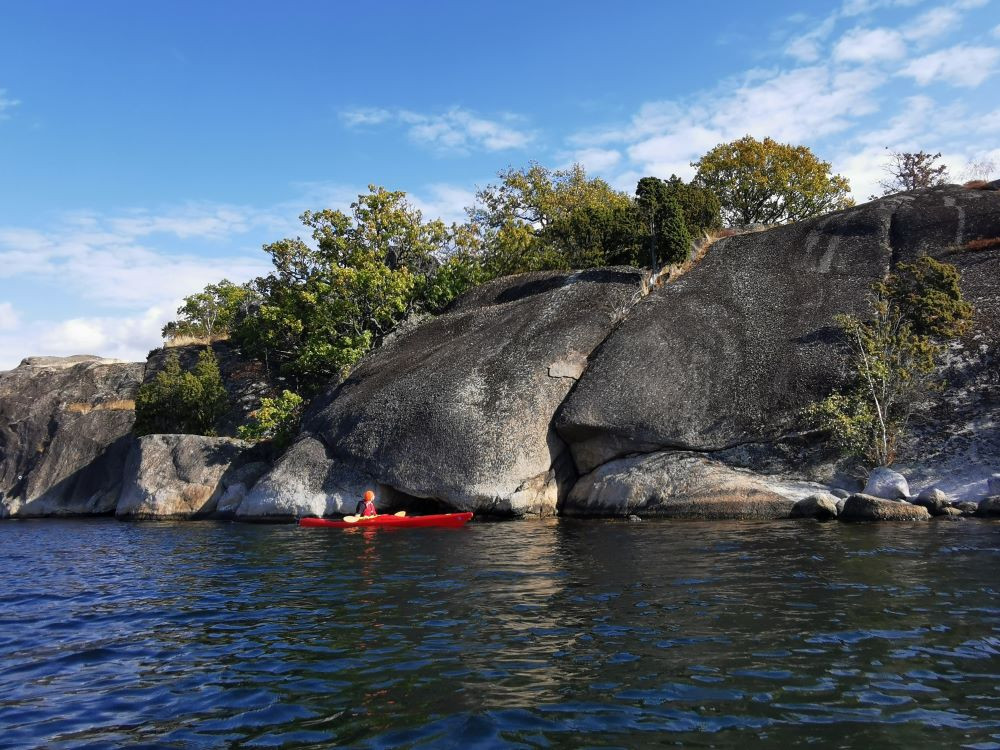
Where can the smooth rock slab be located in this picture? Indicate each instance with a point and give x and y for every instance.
(993, 484)
(861, 507)
(678, 485)
(183, 476)
(887, 484)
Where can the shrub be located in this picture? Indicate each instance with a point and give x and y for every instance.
(986, 243)
(277, 420)
(893, 356)
(175, 401)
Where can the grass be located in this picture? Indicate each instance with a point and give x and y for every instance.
(984, 243)
(978, 185)
(85, 408)
(183, 340)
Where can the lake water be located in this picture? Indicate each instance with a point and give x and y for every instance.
(560, 634)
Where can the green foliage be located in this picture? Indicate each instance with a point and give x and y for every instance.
(175, 401)
(210, 313)
(893, 356)
(766, 182)
(663, 228)
(537, 219)
(277, 420)
(700, 206)
(328, 302)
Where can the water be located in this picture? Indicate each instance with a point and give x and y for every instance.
(561, 634)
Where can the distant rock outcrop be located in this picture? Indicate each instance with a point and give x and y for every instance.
(65, 431)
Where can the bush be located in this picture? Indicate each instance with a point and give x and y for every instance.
(277, 420)
(179, 402)
(893, 356)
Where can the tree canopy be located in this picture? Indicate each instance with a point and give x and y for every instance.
(909, 171)
(766, 182)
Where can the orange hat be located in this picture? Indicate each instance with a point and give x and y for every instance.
(369, 495)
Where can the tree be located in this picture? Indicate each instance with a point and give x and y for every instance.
(210, 313)
(537, 218)
(893, 356)
(909, 171)
(329, 301)
(766, 182)
(175, 401)
(700, 206)
(663, 228)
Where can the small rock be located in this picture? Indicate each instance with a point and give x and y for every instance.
(822, 506)
(933, 499)
(950, 512)
(632, 518)
(840, 506)
(967, 508)
(989, 506)
(839, 493)
(993, 485)
(861, 507)
(886, 484)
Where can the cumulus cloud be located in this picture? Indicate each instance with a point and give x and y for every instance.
(595, 159)
(933, 23)
(961, 65)
(868, 45)
(456, 130)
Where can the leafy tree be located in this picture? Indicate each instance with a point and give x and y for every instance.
(537, 218)
(894, 355)
(766, 182)
(179, 402)
(662, 221)
(210, 313)
(700, 206)
(909, 171)
(276, 419)
(328, 302)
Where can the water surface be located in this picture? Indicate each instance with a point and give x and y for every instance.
(560, 634)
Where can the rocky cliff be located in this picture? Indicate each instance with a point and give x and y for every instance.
(65, 431)
(584, 393)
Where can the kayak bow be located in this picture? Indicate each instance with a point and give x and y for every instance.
(452, 520)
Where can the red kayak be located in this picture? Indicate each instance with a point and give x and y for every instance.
(451, 520)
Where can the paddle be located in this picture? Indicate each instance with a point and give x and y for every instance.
(355, 519)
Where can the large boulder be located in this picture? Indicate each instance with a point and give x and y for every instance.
(185, 476)
(726, 358)
(65, 432)
(887, 484)
(822, 506)
(681, 485)
(460, 409)
(861, 507)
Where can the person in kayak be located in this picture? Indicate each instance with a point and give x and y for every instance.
(366, 507)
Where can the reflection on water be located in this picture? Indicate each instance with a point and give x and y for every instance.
(559, 634)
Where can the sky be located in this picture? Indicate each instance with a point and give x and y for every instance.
(147, 149)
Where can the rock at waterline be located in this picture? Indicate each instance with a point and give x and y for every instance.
(887, 484)
(185, 476)
(680, 485)
(989, 507)
(821, 506)
(861, 507)
(993, 485)
(935, 500)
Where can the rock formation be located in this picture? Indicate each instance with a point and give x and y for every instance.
(65, 431)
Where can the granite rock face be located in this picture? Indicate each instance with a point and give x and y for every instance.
(460, 409)
(680, 485)
(65, 432)
(185, 476)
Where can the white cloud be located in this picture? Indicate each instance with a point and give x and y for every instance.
(961, 65)
(443, 201)
(934, 22)
(869, 45)
(9, 319)
(595, 159)
(455, 130)
(996, 32)
(6, 104)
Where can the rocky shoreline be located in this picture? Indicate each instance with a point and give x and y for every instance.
(599, 393)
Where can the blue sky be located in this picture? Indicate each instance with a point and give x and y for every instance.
(147, 149)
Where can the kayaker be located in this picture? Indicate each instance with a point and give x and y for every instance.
(366, 507)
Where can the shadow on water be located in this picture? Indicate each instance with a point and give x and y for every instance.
(553, 634)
